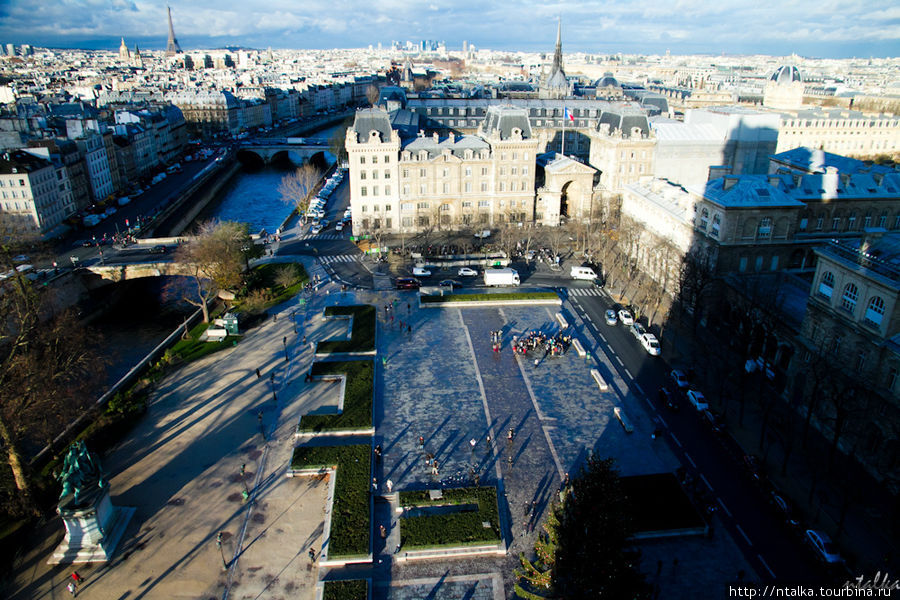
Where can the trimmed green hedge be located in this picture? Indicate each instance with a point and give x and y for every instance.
(358, 394)
(356, 589)
(350, 518)
(451, 529)
(489, 297)
(362, 335)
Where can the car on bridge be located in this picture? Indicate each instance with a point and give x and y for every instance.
(466, 272)
(158, 249)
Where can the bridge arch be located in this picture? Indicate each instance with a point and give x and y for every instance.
(251, 158)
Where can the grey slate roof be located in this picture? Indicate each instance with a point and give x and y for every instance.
(624, 117)
(749, 191)
(504, 119)
(369, 119)
(457, 145)
(813, 160)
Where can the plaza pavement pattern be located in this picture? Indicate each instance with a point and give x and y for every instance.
(180, 467)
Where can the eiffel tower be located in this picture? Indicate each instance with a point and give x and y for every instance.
(172, 47)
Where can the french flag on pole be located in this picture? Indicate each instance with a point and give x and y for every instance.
(568, 115)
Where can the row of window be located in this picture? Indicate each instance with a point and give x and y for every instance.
(874, 314)
(12, 182)
(374, 159)
(851, 223)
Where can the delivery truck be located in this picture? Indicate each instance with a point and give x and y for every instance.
(501, 277)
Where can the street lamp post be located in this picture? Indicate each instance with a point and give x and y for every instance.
(221, 551)
(284, 341)
(246, 493)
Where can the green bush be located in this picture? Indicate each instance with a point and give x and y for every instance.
(489, 297)
(350, 518)
(357, 589)
(358, 393)
(462, 528)
(362, 335)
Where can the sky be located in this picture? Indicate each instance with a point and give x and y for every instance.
(814, 28)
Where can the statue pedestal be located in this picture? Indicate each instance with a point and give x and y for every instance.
(93, 529)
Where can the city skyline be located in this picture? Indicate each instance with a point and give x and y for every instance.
(686, 27)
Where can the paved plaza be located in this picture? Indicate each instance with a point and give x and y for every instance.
(437, 378)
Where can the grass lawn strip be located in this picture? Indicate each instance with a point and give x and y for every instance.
(356, 589)
(267, 273)
(358, 394)
(489, 297)
(463, 528)
(362, 334)
(192, 348)
(350, 518)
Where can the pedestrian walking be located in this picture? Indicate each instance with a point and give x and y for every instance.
(304, 340)
(374, 485)
(390, 485)
(382, 531)
(78, 579)
(408, 308)
(421, 441)
(312, 554)
(258, 375)
(409, 329)
(72, 589)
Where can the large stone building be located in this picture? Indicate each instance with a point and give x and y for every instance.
(407, 184)
(848, 356)
(846, 132)
(29, 199)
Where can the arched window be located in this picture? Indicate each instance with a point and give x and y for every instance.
(826, 286)
(875, 311)
(851, 295)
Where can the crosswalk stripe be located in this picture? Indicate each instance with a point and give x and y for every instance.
(333, 258)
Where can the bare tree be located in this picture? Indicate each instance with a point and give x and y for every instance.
(48, 369)
(696, 278)
(337, 144)
(296, 188)
(215, 261)
(372, 95)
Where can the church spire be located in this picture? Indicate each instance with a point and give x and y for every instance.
(557, 56)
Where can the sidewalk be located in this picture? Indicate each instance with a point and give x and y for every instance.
(181, 468)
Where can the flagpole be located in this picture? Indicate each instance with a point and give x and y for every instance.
(565, 118)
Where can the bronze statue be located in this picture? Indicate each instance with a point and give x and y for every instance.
(81, 476)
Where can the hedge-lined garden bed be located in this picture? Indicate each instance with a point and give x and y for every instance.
(463, 528)
(350, 518)
(356, 589)
(358, 393)
(362, 334)
(503, 296)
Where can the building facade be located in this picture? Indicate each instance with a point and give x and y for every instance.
(29, 199)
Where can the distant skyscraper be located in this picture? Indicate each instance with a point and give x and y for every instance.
(172, 47)
(10, 49)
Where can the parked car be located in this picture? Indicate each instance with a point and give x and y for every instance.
(611, 318)
(637, 330)
(679, 378)
(484, 233)
(823, 547)
(784, 509)
(450, 284)
(158, 249)
(339, 226)
(697, 400)
(407, 283)
(466, 272)
(421, 272)
(626, 318)
(650, 344)
(753, 467)
(316, 229)
(667, 398)
(712, 421)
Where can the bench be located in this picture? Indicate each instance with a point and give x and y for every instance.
(562, 321)
(623, 419)
(599, 379)
(579, 348)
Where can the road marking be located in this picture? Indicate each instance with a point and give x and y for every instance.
(639, 389)
(690, 460)
(627, 372)
(602, 337)
(619, 360)
(741, 531)
(768, 568)
(725, 508)
(663, 421)
(706, 481)
(675, 439)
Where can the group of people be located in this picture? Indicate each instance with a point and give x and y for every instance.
(496, 338)
(533, 341)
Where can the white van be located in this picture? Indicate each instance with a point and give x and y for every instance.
(583, 273)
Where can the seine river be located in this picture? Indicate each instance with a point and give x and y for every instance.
(145, 314)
